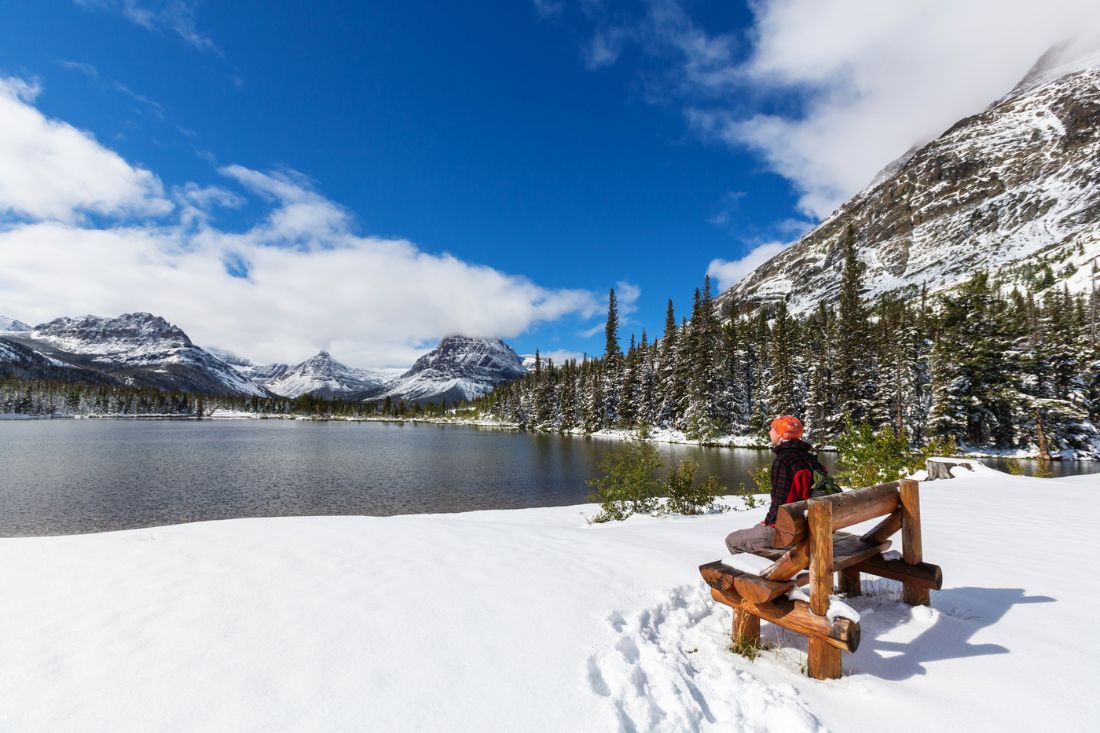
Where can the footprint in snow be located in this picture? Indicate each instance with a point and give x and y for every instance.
(670, 669)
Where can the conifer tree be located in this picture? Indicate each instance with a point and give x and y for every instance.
(781, 396)
(851, 336)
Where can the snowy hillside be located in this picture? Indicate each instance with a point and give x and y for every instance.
(325, 623)
(12, 325)
(137, 348)
(1014, 189)
(460, 368)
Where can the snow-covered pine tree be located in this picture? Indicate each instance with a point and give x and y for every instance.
(628, 388)
(851, 334)
(819, 353)
(670, 389)
(734, 398)
(612, 366)
(781, 396)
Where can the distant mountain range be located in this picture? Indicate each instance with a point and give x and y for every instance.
(319, 375)
(1013, 191)
(146, 350)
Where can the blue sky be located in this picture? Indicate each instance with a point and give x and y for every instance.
(566, 146)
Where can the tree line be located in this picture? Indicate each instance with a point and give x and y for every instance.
(54, 398)
(988, 366)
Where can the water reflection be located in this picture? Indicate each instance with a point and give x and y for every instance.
(65, 476)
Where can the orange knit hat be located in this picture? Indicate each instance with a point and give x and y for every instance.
(787, 427)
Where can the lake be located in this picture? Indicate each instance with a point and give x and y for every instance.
(69, 476)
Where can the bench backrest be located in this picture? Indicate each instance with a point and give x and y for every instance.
(793, 525)
(848, 508)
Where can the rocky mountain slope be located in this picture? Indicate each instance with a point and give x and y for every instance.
(1014, 190)
(460, 368)
(134, 348)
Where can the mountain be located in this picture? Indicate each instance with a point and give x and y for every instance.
(460, 368)
(1013, 190)
(134, 348)
(10, 324)
(322, 376)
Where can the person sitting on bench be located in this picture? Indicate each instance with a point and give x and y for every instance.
(792, 477)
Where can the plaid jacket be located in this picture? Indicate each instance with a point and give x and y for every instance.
(791, 456)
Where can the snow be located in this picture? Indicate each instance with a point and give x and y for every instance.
(138, 340)
(747, 563)
(459, 368)
(533, 620)
(837, 607)
(11, 325)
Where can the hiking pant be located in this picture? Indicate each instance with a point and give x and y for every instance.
(754, 538)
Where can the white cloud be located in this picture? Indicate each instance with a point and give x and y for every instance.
(50, 169)
(626, 302)
(729, 272)
(298, 280)
(165, 16)
(559, 356)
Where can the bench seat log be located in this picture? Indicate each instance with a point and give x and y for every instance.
(840, 633)
(751, 587)
(789, 564)
(925, 575)
(849, 507)
(849, 550)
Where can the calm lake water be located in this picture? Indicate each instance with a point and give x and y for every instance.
(68, 476)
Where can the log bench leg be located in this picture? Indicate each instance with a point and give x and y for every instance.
(746, 628)
(850, 582)
(824, 661)
(911, 546)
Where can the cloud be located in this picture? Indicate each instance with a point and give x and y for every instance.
(726, 207)
(558, 356)
(165, 16)
(296, 280)
(49, 169)
(92, 73)
(549, 8)
(604, 48)
(626, 302)
(695, 62)
(829, 93)
(729, 272)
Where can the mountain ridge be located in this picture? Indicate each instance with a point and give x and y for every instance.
(1014, 190)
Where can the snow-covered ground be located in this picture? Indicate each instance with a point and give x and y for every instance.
(534, 620)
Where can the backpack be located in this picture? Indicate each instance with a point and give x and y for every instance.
(810, 483)
(823, 485)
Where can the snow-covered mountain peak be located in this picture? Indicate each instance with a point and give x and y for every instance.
(136, 347)
(93, 334)
(459, 368)
(11, 325)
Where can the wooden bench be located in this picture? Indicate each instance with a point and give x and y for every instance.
(807, 536)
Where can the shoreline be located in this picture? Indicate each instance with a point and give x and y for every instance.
(656, 435)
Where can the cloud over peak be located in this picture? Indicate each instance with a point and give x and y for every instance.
(296, 279)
